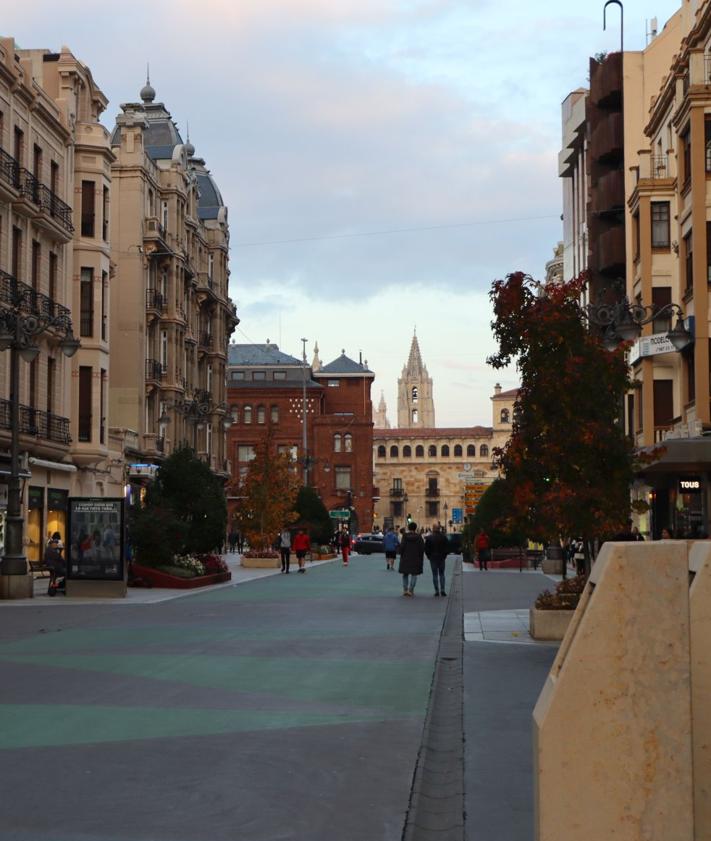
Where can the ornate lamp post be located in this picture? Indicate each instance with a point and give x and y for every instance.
(19, 331)
(196, 410)
(622, 321)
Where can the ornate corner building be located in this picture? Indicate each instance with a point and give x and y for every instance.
(171, 313)
(272, 394)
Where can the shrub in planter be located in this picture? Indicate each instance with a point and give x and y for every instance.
(177, 572)
(260, 553)
(566, 597)
(212, 564)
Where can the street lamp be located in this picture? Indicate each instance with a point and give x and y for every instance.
(446, 509)
(623, 321)
(196, 410)
(19, 332)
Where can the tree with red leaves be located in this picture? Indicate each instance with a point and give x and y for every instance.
(568, 461)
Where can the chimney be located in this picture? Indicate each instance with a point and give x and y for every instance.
(497, 388)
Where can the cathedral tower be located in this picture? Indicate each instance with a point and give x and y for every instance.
(415, 406)
(380, 415)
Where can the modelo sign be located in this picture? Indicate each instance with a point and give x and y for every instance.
(690, 485)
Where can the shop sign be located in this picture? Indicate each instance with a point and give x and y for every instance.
(95, 551)
(35, 497)
(57, 500)
(690, 485)
(653, 345)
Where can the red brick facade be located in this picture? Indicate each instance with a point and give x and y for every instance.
(339, 423)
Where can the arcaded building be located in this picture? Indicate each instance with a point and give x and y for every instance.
(171, 315)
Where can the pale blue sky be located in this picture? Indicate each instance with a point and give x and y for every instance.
(325, 118)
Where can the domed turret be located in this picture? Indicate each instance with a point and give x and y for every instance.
(148, 93)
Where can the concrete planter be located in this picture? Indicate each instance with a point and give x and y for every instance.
(261, 563)
(16, 586)
(549, 624)
(163, 579)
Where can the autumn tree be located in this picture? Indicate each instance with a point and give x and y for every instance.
(267, 496)
(568, 462)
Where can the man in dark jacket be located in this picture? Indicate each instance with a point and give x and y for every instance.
(437, 549)
(412, 553)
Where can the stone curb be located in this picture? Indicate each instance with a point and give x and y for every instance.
(436, 808)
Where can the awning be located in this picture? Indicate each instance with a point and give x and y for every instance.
(682, 454)
(53, 465)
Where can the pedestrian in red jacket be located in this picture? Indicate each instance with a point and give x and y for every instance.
(345, 541)
(302, 545)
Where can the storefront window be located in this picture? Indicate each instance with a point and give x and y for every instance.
(35, 512)
(57, 512)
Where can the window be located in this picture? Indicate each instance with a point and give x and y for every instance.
(274, 414)
(104, 290)
(663, 402)
(164, 215)
(396, 508)
(343, 478)
(334, 383)
(689, 260)
(51, 379)
(635, 236)
(348, 442)
(85, 400)
(236, 375)
(16, 252)
(246, 452)
(397, 484)
(407, 451)
(471, 450)
(280, 375)
(248, 414)
(290, 450)
(105, 215)
(394, 452)
(707, 139)
(414, 394)
(209, 378)
(208, 438)
(445, 451)
(483, 451)
(432, 486)
(235, 414)
(432, 509)
(35, 267)
(102, 408)
(414, 415)
(661, 297)
(504, 416)
(337, 443)
(52, 275)
(381, 451)
(163, 350)
(419, 451)
(87, 208)
(708, 252)
(258, 376)
(432, 451)
(37, 162)
(261, 414)
(86, 303)
(686, 154)
(660, 224)
(457, 450)
(32, 396)
(19, 147)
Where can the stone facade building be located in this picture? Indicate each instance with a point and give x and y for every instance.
(55, 162)
(424, 473)
(266, 390)
(171, 315)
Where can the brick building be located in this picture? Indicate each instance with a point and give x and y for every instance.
(267, 390)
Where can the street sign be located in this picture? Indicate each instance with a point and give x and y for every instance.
(340, 514)
(457, 516)
(472, 494)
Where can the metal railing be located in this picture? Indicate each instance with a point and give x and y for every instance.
(15, 293)
(397, 491)
(155, 370)
(47, 201)
(206, 340)
(9, 170)
(660, 166)
(38, 423)
(155, 300)
(431, 492)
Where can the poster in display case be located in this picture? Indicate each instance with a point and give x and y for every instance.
(96, 538)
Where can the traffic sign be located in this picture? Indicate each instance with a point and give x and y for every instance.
(472, 494)
(340, 514)
(457, 516)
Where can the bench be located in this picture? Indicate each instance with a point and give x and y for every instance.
(38, 568)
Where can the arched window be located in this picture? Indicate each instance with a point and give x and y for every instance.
(407, 451)
(394, 452)
(445, 451)
(414, 394)
(483, 450)
(471, 450)
(504, 416)
(432, 451)
(337, 443)
(381, 451)
(457, 450)
(235, 414)
(348, 442)
(414, 415)
(261, 414)
(248, 414)
(275, 414)
(419, 451)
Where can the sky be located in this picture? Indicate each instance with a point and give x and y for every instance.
(383, 161)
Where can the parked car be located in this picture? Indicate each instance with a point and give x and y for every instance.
(455, 543)
(366, 544)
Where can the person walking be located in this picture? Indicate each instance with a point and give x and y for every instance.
(437, 549)
(285, 549)
(483, 550)
(302, 544)
(232, 540)
(412, 553)
(390, 545)
(345, 546)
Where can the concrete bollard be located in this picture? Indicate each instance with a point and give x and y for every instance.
(612, 726)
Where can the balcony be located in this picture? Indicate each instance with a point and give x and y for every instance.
(431, 493)
(35, 422)
(608, 195)
(397, 492)
(606, 81)
(52, 210)
(607, 139)
(9, 174)
(155, 232)
(660, 167)
(155, 370)
(15, 293)
(206, 341)
(155, 301)
(611, 250)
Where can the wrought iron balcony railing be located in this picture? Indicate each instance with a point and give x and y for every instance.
(15, 293)
(9, 170)
(35, 422)
(431, 492)
(155, 300)
(397, 492)
(47, 201)
(155, 370)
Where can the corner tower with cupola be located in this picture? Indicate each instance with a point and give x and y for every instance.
(415, 405)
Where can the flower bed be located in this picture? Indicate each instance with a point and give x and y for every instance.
(154, 577)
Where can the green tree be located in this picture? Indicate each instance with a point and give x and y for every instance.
(314, 516)
(184, 511)
(494, 515)
(568, 462)
(267, 496)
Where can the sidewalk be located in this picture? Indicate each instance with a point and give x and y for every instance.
(504, 672)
